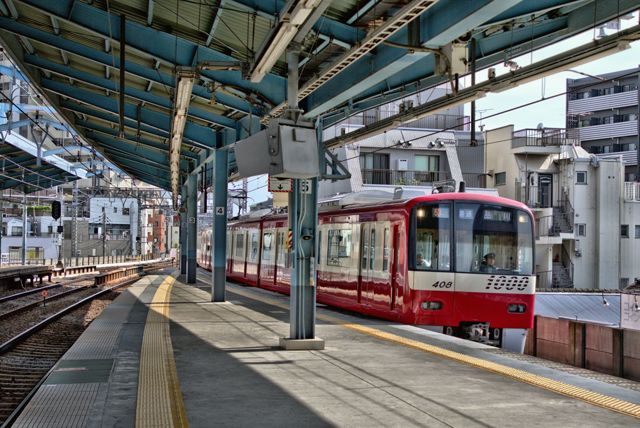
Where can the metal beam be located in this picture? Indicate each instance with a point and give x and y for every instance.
(337, 30)
(197, 134)
(219, 235)
(106, 60)
(440, 24)
(135, 93)
(168, 48)
(192, 227)
(582, 54)
(149, 12)
(390, 27)
(133, 139)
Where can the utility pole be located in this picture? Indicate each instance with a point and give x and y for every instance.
(104, 235)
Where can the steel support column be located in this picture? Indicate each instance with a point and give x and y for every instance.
(219, 235)
(192, 227)
(183, 235)
(303, 217)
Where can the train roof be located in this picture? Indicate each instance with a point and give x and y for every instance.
(380, 200)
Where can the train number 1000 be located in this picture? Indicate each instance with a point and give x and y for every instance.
(442, 284)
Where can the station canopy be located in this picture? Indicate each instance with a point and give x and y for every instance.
(222, 62)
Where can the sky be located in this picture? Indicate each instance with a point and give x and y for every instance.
(550, 112)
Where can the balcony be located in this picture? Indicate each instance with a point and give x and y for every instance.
(544, 141)
(416, 178)
(434, 121)
(631, 191)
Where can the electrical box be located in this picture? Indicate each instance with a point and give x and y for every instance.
(285, 149)
(403, 164)
(453, 58)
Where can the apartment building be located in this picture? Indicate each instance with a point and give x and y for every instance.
(604, 111)
(419, 156)
(587, 215)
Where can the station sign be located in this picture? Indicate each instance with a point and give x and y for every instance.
(284, 185)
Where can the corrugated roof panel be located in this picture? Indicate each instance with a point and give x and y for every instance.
(587, 307)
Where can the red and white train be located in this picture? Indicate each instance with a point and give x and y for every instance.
(461, 261)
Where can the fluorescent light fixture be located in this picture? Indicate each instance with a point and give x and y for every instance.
(184, 86)
(285, 32)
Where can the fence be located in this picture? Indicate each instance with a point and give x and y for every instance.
(416, 178)
(83, 261)
(632, 191)
(544, 137)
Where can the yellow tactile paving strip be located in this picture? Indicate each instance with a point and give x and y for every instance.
(604, 401)
(159, 397)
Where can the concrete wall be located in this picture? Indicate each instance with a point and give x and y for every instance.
(595, 347)
(498, 143)
(607, 253)
(114, 210)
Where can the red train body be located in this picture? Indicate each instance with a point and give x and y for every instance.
(457, 260)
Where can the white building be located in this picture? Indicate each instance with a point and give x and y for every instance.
(587, 217)
(118, 215)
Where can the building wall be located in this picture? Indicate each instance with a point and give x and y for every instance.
(607, 256)
(498, 144)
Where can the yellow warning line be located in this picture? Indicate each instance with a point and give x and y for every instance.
(600, 400)
(158, 383)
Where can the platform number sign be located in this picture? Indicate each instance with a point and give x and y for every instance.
(305, 187)
(219, 210)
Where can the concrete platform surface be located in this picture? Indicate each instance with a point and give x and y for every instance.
(231, 371)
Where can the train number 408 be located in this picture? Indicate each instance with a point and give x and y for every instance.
(442, 284)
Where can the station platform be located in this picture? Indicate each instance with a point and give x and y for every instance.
(163, 355)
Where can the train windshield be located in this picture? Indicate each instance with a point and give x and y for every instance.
(493, 239)
(487, 238)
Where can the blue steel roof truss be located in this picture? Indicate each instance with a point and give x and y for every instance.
(73, 60)
(20, 170)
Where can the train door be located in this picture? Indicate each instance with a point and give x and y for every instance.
(366, 263)
(376, 285)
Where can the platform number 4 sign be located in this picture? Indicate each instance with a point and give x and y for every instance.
(305, 187)
(219, 210)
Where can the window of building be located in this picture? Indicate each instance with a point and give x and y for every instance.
(16, 230)
(375, 168)
(581, 229)
(125, 211)
(624, 230)
(581, 177)
(115, 210)
(426, 168)
(637, 231)
(500, 179)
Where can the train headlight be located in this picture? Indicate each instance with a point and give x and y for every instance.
(431, 305)
(517, 308)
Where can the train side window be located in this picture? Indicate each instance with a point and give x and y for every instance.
(318, 247)
(372, 246)
(339, 246)
(385, 250)
(432, 237)
(281, 250)
(267, 243)
(240, 244)
(253, 254)
(364, 249)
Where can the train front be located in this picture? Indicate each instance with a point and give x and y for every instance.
(471, 266)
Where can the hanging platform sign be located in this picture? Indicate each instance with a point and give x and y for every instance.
(284, 185)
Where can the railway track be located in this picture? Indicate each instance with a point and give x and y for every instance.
(28, 353)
